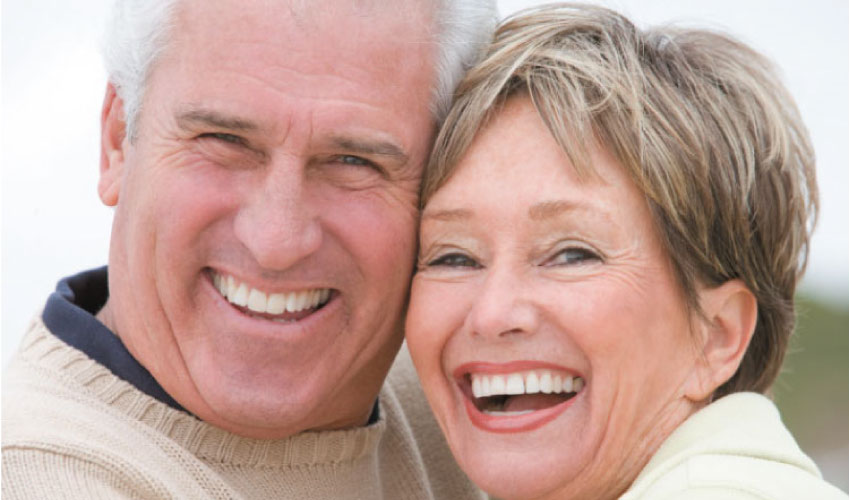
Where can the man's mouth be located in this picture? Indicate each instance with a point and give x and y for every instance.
(522, 392)
(283, 307)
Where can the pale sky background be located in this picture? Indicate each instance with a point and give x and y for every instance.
(53, 80)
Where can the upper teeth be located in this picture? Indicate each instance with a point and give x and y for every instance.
(272, 303)
(529, 382)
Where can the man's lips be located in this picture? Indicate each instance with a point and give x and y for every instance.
(276, 306)
(517, 396)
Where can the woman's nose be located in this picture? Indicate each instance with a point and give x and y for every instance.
(504, 306)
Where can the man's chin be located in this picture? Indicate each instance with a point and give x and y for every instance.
(267, 409)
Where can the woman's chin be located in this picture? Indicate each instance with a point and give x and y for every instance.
(510, 472)
(511, 481)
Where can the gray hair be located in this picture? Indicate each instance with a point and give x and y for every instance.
(138, 30)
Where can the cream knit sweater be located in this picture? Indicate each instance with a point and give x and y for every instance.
(71, 429)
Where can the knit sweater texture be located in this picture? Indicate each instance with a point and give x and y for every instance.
(71, 429)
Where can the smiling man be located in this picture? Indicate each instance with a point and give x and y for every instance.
(263, 159)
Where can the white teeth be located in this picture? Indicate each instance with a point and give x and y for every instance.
(276, 303)
(257, 300)
(299, 301)
(557, 384)
(497, 385)
(290, 302)
(529, 382)
(507, 413)
(532, 383)
(546, 383)
(485, 387)
(230, 292)
(240, 298)
(515, 384)
(578, 384)
(270, 303)
(476, 387)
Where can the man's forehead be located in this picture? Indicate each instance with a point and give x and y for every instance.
(351, 39)
(305, 14)
(269, 80)
(304, 10)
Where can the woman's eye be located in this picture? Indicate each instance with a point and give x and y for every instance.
(454, 260)
(571, 256)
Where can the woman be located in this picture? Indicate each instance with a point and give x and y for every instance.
(614, 224)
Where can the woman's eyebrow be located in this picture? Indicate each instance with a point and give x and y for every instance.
(447, 215)
(551, 208)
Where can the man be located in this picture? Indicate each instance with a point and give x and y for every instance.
(263, 159)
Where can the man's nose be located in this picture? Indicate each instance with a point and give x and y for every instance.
(278, 222)
(503, 307)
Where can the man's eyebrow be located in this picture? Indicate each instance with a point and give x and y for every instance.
(447, 215)
(187, 119)
(365, 147)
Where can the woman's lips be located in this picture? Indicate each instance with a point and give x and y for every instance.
(517, 396)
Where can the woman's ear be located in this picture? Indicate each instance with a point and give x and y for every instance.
(723, 334)
(113, 135)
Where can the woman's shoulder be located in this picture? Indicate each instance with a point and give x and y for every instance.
(735, 448)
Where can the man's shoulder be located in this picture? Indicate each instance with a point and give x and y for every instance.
(403, 373)
(403, 386)
(409, 417)
(59, 430)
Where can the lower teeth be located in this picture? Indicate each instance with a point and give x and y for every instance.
(497, 413)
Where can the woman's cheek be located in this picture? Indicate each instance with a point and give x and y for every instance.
(434, 316)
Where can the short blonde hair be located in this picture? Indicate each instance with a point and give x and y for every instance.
(701, 123)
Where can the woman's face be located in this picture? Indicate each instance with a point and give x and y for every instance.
(552, 294)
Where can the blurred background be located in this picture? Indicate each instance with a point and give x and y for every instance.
(53, 224)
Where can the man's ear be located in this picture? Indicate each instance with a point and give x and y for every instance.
(723, 335)
(113, 135)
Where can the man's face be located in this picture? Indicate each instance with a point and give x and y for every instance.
(264, 233)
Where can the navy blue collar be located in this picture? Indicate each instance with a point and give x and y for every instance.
(70, 315)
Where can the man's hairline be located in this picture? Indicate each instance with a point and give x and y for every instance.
(169, 24)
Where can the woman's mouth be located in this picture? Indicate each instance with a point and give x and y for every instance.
(522, 392)
(519, 400)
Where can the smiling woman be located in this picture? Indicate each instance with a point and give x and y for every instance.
(614, 225)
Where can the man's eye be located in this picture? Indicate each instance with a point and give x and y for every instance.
(228, 138)
(454, 260)
(359, 163)
(354, 160)
(572, 256)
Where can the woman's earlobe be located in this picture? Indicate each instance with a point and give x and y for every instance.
(724, 334)
(113, 138)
